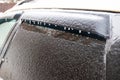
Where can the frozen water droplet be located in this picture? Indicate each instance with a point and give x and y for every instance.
(49, 24)
(88, 32)
(65, 28)
(79, 31)
(68, 28)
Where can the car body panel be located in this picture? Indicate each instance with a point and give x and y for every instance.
(101, 5)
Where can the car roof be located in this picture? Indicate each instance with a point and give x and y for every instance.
(102, 5)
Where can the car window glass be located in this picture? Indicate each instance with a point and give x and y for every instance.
(5, 27)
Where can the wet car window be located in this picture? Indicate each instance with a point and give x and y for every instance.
(54, 53)
(5, 28)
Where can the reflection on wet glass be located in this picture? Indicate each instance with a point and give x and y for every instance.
(5, 27)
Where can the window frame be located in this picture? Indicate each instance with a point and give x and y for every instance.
(10, 36)
(6, 36)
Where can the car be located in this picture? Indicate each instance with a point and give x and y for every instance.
(48, 41)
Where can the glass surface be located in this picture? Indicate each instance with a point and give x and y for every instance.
(5, 27)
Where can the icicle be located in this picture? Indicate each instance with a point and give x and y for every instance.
(88, 32)
(65, 28)
(71, 28)
(68, 28)
(79, 31)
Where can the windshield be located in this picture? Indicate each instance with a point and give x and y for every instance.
(6, 26)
